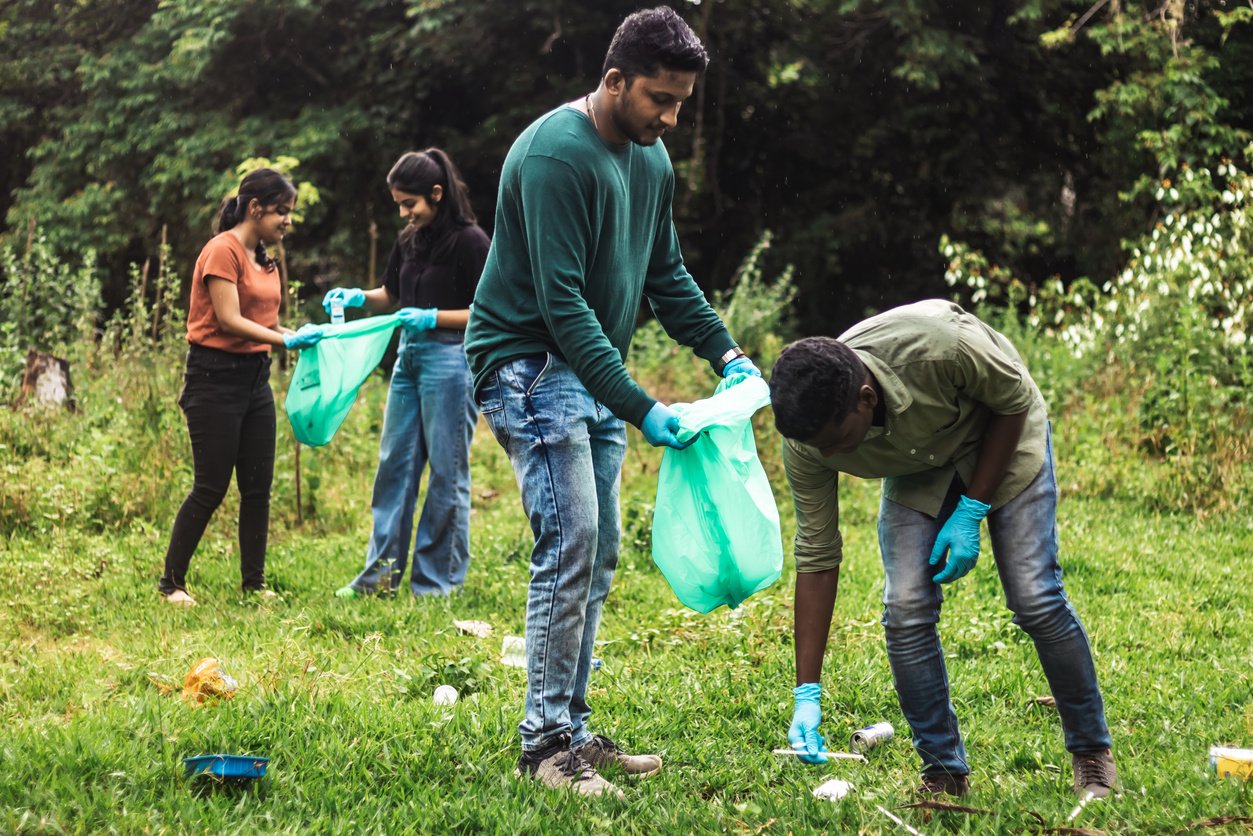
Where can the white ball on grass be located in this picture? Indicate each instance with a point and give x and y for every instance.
(445, 695)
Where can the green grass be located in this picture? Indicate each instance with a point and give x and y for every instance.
(338, 693)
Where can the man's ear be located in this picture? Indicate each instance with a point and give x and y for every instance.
(867, 395)
(614, 82)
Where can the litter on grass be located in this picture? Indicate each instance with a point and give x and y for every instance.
(898, 820)
(833, 790)
(871, 736)
(206, 681)
(848, 756)
(1083, 802)
(481, 629)
(513, 652)
(445, 695)
(1231, 763)
(226, 766)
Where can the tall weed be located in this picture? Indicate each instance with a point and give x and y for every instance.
(46, 304)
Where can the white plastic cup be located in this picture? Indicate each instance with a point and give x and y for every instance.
(513, 652)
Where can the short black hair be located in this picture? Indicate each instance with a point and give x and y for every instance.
(815, 381)
(653, 39)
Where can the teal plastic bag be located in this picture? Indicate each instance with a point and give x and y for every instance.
(716, 534)
(328, 375)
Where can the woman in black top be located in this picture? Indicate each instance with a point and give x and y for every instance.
(431, 277)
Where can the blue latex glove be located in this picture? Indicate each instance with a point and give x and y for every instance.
(308, 335)
(805, 719)
(960, 538)
(740, 365)
(349, 297)
(660, 425)
(414, 320)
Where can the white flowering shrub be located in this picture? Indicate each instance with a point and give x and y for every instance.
(1173, 324)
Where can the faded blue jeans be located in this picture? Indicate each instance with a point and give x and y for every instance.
(1024, 545)
(429, 419)
(566, 450)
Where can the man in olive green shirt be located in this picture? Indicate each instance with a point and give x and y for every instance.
(942, 408)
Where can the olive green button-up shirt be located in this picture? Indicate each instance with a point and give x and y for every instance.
(943, 373)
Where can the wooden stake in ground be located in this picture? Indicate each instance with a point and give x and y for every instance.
(283, 308)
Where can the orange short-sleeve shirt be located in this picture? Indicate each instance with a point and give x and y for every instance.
(259, 295)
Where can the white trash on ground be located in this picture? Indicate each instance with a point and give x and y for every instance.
(833, 790)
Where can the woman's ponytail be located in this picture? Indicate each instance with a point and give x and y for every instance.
(264, 185)
(228, 214)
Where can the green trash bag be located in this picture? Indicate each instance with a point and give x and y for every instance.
(328, 375)
(716, 534)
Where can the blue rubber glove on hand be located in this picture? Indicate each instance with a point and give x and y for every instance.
(960, 537)
(414, 320)
(805, 720)
(741, 365)
(349, 297)
(660, 425)
(308, 335)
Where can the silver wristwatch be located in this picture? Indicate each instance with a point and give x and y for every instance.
(732, 352)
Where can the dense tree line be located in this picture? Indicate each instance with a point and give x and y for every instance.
(859, 131)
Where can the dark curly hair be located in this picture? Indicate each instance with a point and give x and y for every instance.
(815, 381)
(651, 40)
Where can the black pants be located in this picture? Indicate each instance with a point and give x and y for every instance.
(230, 416)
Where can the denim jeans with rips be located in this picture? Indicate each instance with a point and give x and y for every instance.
(566, 450)
(1024, 546)
(429, 420)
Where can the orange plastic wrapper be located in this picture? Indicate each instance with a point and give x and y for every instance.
(208, 681)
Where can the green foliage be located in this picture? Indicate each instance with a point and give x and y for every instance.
(757, 313)
(46, 304)
(1174, 323)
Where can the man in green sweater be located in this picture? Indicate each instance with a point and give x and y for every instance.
(584, 233)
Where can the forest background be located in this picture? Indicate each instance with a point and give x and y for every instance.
(1077, 172)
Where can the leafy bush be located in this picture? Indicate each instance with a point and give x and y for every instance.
(1172, 326)
(46, 304)
(756, 312)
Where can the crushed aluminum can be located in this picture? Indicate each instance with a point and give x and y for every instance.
(871, 736)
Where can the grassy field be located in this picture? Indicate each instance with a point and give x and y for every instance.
(338, 693)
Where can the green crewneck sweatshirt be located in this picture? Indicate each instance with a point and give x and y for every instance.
(583, 232)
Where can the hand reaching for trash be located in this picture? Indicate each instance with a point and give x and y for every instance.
(806, 718)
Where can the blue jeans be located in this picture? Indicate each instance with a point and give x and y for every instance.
(566, 450)
(1024, 545)
(429, 419)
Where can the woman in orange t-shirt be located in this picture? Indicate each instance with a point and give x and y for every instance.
(232, 324)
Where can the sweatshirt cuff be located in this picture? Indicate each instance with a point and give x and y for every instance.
(634, 410)
(714, 346)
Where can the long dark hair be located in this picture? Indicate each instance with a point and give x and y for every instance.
(269, 188)
(419, 172)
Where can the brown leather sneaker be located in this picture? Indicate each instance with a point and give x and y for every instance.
(600, 751)
(944, 783)
(560, 767)
(1094, 773)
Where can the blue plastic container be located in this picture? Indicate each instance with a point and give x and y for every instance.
(226, 766)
